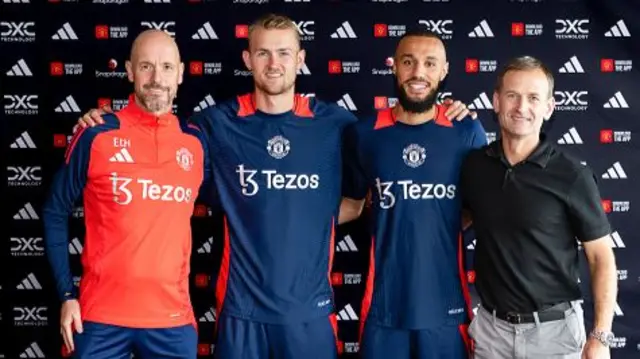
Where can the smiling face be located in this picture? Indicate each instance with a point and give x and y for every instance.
(155, 70)
(420, 66)
(274, 55)
(523, 102)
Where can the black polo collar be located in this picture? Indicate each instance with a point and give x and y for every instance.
(539, 156)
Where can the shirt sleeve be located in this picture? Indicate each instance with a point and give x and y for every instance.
(478, 134)
(67, 186)
(200, 126)
(585, 207)
(354, 184)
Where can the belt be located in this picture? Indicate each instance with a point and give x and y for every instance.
(556, 312)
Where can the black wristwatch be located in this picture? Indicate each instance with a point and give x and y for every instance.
(606, 338)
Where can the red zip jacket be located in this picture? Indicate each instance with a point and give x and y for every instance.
(139, 176)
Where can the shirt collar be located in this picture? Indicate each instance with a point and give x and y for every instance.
(539, 156)
(149, 119)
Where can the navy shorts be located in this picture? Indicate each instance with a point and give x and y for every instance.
(446, 342)
(104, 341)
(241, 339)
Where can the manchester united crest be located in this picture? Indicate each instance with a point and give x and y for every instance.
(414, 155)
(184, 158)
(278, 147)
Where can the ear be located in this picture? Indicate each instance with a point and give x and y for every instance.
(302, 55)
(180, 73)
(496, 102)
(129, 66)
(551, 106)
(246, 57)
(445, 71)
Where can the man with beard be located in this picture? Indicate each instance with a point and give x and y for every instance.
(276, 160)
(409, 157)
(137, 172)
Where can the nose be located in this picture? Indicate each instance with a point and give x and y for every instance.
(522, 104)
(156, 76)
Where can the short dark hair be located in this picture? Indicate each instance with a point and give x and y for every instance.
(422, 32)
(525, 63)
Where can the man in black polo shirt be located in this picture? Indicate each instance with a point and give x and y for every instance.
(529, 202)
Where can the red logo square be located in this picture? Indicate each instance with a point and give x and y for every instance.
(202, 280)
(336, 278)
(607, 206)
(242, 31)
(471, 65)
(102, 32)
(56, 68)
(59, 140)
(196, 68)
(606, 136)
(380, 102)
(471, 276)
(200, 210)
(204, 349)
(104, 102)
(607, 65)
(380, 30)
(517, 29)
(335, 66)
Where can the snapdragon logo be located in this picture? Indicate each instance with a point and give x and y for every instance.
(389, 191)
(251, 180)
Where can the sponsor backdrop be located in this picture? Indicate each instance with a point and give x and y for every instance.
(63, 57)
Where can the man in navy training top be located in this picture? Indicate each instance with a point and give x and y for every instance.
(277, 166)
(409, 157)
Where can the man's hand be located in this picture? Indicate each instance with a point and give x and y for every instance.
(595, 350)
(92, 118)
(69, 320)
(457, 110)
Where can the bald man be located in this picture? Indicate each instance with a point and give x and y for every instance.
(138, 173)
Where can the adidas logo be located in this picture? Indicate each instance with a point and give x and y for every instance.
(15, 1)
(347, 313)
(65, 33)
(573, 66)
(206, 32)
(617, 311)
(481, 102)
(29, 283)
(618, 30)
(206, 247)
(482, 30)
(23, 141)
(345, 31)
(346, 245)
(122, 156)
(615, 172)
(20, 69)
(617, 101)
(347, 103)
(571, 138)
(75, 247)
(208, 317)
(472, 245)
(616, 240)
(208, 101)
(33, 351)
(27, 212)
(304, 70)
(68, 105)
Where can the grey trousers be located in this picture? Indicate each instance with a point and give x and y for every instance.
(497, 339)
